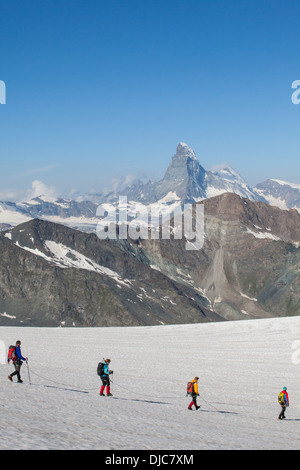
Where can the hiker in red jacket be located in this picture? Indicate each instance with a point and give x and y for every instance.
(283, 400)
(17, 361)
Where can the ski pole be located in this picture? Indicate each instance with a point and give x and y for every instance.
(209, 403)
(28, 373)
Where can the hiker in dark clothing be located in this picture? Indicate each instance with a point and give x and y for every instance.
(17, 361)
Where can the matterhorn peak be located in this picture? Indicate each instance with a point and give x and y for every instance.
(184, 176)
(183, 150)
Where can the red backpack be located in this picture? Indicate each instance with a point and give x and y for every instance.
(11, 354)
(189, 388)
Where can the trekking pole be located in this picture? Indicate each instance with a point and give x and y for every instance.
(28, 373)
(209, 403)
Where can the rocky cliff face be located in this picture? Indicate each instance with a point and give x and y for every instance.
(52, 275)
(250, 262)
(184, 177)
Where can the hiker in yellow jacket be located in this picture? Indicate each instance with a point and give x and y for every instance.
(194, 394)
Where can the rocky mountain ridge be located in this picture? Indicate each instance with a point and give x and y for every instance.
(52, 275)
(249, 265)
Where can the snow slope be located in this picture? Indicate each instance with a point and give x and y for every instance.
(242, 367)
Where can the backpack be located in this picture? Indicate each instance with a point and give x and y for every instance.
(100, 368)
(189, 388)
(11, 356)
(281, 400)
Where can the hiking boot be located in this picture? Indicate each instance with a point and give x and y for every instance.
(20, 381)
(190, 408)
(10, 378)
(101, 394)
(109, 394)
(197, 407)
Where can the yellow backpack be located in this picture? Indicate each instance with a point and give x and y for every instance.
(281, 400)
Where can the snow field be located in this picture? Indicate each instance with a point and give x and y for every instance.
(242, 367)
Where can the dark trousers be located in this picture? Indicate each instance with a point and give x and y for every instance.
(193, 402)
(105, 380)
(17, 371)
(283, 408)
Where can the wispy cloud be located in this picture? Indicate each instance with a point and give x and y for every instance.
(36, 171)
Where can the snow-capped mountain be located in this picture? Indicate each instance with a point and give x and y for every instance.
(12, 214)
(280, 193)
(184, 177)
(185, 181)
(227, 180)
(80, 215)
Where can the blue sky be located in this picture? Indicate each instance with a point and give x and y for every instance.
(97, 90)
